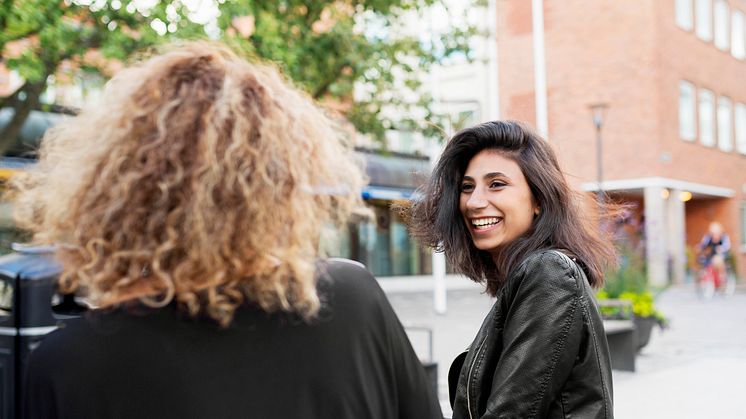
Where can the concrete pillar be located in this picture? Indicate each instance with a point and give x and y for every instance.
(440, 304)
(656, 252)
(676, 237)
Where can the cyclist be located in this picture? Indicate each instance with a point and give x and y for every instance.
(713, 249)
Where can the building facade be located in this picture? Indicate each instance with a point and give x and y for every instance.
(669, 76)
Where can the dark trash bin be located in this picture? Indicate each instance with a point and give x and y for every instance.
(30, 308)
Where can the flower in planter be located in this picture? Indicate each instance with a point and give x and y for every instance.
(642, 306)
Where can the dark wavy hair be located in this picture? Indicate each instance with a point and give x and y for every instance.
(564, 223)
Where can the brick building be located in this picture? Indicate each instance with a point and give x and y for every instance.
(671, 74)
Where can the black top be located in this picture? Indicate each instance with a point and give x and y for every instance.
(354, 361)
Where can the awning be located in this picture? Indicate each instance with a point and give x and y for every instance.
(393, 176)
(388, 194)
(637, 186)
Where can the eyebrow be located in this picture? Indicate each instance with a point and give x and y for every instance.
(489, 176)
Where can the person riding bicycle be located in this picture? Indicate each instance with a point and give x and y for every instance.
(713, 249)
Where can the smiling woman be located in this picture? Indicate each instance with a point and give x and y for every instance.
(500, 208)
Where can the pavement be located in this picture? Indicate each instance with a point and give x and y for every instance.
(696, 368)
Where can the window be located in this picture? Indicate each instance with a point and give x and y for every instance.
(741, 128)
(687, 128)
(703, 10)
(738, 36)
(706, 117)
(684, 17)
(725, 123)
(722, 19)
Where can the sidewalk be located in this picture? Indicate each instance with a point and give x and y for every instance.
(694, 369)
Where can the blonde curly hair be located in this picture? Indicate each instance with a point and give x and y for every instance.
(199, 178)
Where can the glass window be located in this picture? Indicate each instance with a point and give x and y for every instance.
(725, 124)
(741, 128)
(687, 128)
(684, 16)
(722, 20)
(703, 11)
(707, 117)
(738, 36)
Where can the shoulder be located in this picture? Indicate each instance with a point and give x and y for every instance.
(545, 269)
(348, 279)
(549, 261)
(72, 343)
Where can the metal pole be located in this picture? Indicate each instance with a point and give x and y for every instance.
(598, 110)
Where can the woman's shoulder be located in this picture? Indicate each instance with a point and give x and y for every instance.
(74, 341)
(543, 268)
(547, 259)
(348, 279)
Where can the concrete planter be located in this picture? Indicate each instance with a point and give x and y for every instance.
(644, 326)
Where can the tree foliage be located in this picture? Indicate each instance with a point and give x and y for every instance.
(38, 36)
(359, 55)
(362, 53)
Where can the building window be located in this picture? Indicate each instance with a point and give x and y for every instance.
(741, 128)
(722, 21)
(725, 124)
(687, 126)
(706, 117)
(738, 35)
(684, 16)
(703, 11)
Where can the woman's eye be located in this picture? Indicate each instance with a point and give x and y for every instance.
(467, 187)
(496, 184)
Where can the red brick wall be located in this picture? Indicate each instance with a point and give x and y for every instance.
(632, 56)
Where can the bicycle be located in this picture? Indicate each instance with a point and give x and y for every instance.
(710, 280)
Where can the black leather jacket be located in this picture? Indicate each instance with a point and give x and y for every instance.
(542, 351)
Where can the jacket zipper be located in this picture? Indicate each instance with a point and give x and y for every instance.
(468, 376)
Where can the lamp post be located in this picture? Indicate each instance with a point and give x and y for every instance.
(598, 110)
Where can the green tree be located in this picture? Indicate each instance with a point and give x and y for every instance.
(355, 54)
(333, 48)
(49, 33)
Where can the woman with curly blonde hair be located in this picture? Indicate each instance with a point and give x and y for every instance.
(187, 207)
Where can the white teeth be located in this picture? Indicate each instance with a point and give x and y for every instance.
(482, 222)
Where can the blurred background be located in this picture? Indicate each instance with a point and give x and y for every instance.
(644, 101)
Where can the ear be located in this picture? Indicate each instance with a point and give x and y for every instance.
(537, 210)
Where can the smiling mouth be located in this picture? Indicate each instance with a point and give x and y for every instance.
(484, 224)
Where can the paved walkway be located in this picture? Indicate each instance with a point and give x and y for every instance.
(694, 369)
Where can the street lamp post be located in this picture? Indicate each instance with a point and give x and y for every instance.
(598, 110)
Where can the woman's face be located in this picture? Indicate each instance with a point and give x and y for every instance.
(495, 201)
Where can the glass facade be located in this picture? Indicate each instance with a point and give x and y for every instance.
(384, 246)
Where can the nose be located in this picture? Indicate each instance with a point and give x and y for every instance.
(476, 200)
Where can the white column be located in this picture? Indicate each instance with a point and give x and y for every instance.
(493, 76)
(540, 68)
(676, 237)
(655, 235)
(438, 259)
(440, 304)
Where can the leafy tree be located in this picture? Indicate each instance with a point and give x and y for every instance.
(87, 34)
(358, 55)
(337, 49)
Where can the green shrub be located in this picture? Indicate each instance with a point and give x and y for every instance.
(629, 282)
